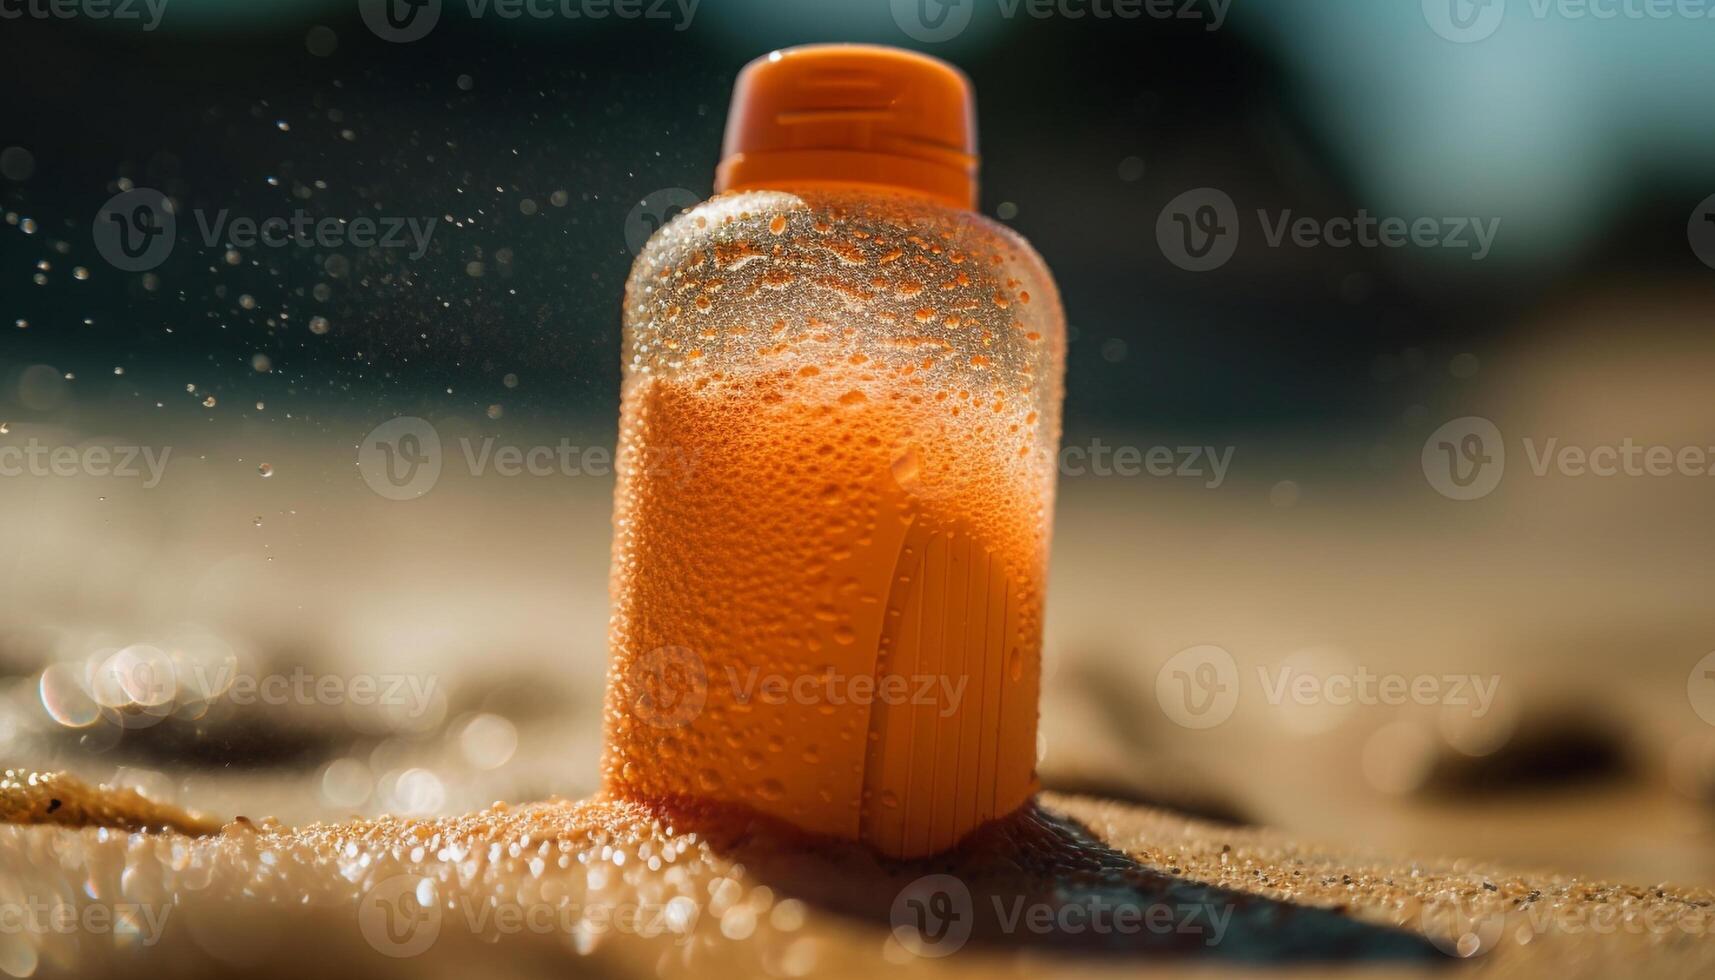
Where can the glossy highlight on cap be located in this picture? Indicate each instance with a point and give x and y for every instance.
(830, 115)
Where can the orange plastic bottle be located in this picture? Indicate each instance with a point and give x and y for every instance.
(836, 470)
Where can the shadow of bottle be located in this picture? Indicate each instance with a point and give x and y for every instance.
(1041, 881)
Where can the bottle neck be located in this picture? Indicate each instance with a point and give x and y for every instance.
(951, 183)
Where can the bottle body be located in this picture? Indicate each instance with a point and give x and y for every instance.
(836, 480)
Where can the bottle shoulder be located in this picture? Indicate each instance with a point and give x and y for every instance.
(744, 273)
(828, 219)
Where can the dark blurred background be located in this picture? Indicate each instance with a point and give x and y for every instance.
(543, 145)
(1587, 140)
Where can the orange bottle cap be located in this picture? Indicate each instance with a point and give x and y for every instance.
(844, 114)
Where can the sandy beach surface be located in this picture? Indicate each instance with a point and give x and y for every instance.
(1560, 625)
(1075, 886)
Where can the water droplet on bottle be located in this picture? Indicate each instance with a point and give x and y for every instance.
(907, 467)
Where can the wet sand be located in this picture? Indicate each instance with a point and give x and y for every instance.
(1075, 885)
